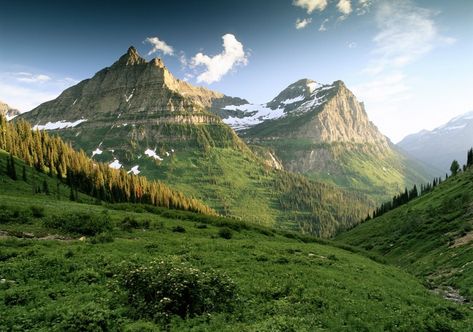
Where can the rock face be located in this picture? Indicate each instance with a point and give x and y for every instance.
(442, 145)
(321, 130)
(130, 103)
(7, 111)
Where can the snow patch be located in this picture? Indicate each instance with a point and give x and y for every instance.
(97, 151)
(115, 164)
(293, 100)
(75, 101)
(313, 86)
(134, 170)
(152, 153)
(128, 98)
(10, 117)
(58, 125)
(257, 114)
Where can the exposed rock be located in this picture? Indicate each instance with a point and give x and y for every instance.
(7, 111)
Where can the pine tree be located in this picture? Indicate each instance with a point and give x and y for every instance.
(455, 167)
(23, 175)
(469, 161)
(11, 167)
(45, 187)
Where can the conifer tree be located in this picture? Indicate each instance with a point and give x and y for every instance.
(455, 167)
(23, 175)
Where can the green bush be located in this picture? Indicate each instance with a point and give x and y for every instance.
(164, 288)
(37, 211)
(178, 229)
(80, 223)
(90, 317)
(129, 223)
(225, 233)
(9, 215)
(102, 238)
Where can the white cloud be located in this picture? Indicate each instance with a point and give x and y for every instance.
(311, 5)
(159, 46)
(363, 7)
(302, 23)
(233, 54)
(25, 91)
(322, 25)
(352, 45)
(344, 7)
(406, 32)
(391, 87)
(31, 78)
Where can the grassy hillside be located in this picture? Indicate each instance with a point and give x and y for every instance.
(430, 236)
(209, 162)
(58, 275)
(354, 167)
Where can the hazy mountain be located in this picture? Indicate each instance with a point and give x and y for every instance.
(322, 131)
(442, 145)
(136, 115)
(9, 112)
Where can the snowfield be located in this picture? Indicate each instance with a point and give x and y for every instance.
(62, 124)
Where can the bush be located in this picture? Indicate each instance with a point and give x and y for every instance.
(9, 215)
(102, 238)
(129, 223)
(80, 223)
(161, 289)
(37, 211)
(225, 233)
(178, 229)
(90, 317)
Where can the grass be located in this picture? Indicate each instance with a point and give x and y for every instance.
(429, 237)
(52, 280)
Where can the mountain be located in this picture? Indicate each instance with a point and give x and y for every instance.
(135, 115)
(431, 236)
(7, 111)
(323, 132)
(442, 145)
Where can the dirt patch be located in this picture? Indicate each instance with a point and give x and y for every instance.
(451, 294)
(25, 235)
(461, 241)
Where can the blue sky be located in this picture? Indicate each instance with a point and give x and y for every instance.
(409, 61)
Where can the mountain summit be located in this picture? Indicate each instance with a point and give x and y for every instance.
(323, 131)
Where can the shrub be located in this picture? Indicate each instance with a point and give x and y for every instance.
(129, 223)
(37, 211)
(163, 288)
(90, 317)
(9, 215)
(102, 238)
(201, 226)
(225, 233)
(178, 229)
(80, 223)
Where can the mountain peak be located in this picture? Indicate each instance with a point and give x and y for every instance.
(130, 58)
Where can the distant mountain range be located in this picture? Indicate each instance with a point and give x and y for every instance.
(9, 112)
(135, 115)
(439, 147)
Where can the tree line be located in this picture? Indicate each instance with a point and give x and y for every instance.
(408, 195)
(51, 155)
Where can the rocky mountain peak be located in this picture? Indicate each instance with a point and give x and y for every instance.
(130, 58)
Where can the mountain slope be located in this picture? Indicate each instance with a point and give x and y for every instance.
(322, 131)
(430, 236)
(443, 144)
(7, 111)
(136, 116)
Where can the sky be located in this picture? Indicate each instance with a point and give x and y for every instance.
(409, 61)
